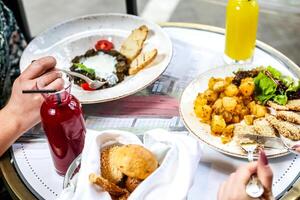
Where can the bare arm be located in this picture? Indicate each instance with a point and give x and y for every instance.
(10, 129)
(23, 110)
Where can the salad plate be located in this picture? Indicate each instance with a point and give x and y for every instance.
(203, 130)
(74, 37)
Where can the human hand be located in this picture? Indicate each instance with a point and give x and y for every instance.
(296, 148)
(25, 108)
(235, 187)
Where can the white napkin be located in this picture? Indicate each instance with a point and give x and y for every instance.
(178, 157)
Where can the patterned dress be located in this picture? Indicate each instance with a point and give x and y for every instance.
(12, 44)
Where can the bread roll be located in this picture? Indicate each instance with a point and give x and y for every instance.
(108, 170)
(134, 161)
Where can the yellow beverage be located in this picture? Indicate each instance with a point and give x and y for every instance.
(241, 28)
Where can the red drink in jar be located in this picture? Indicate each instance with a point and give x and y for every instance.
(63, 123)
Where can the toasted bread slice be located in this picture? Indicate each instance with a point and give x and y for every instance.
(133, 45)
(285, 128)
(109, 171)
(293, 105)
(276, 106)
(142, 61)
(243, 129)
(263, 127)
(289, 116)
(244, 134)
(106, 185)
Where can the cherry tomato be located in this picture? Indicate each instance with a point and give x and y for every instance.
(86, 86)
(104, 45)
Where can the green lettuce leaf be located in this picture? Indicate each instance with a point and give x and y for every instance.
(287, 80)
(265, 88)
(264, 98)
(281, 99)
(275, 73)
(294, 87)
(264, 85)
(84, 68)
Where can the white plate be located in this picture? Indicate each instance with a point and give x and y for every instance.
(76, 36)
(202, 130)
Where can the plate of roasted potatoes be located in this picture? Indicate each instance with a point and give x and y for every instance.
(233, 105)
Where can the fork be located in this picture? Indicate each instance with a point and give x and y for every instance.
(288, 144)
(254, 187)
(93, 84)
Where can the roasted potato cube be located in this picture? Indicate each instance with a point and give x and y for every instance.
(212, 82)
(225, 139)
(222, 94)
(219, 86)
(229, 103)
(198, 110)
(247, 87)
(228, 131)
(231, 90)
(218, 106)
(248, 119)
(261, 111)
(218, 124)
(235, 119)
(200, 100)
(211, 96)
(238, 109)
(247, 100)
(227, 134)
(244, 111)
(227, 116)
(207, 110)
(252, 107)
(228, 80)
(203, 112)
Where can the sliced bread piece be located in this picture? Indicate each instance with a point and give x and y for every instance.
(133, 45)
(263, 128)
(243, 129)
(142, 61)
(285, 128)
(293, 105)
(276, 106)
(289, 116)
(244, 134)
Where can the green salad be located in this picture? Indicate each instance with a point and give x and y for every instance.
(271, 84)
